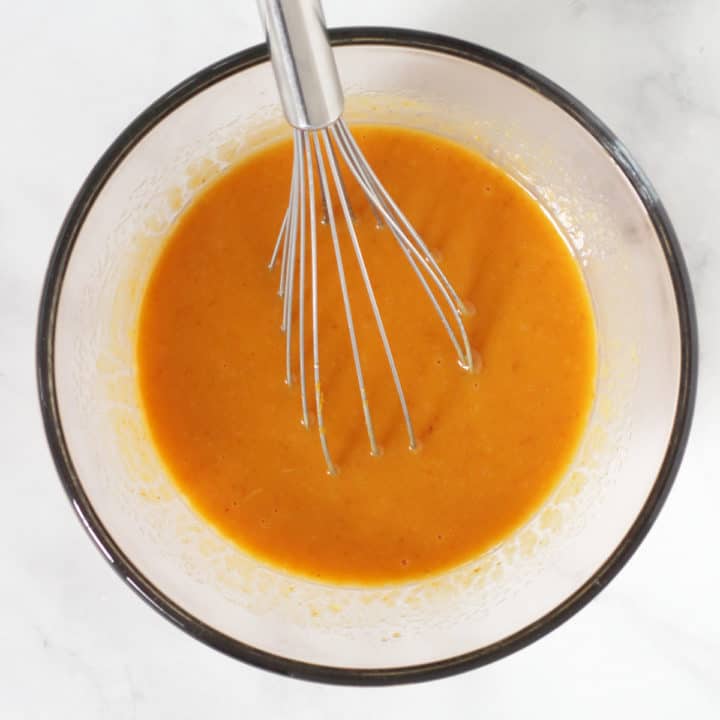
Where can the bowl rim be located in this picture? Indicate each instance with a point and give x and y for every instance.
(45, 341)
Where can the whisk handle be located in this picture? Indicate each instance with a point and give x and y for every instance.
(303, 62)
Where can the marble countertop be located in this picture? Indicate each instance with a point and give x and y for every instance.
(75, 643)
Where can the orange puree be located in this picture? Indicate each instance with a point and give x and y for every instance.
(494, 443)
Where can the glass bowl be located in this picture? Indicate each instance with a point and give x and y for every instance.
(503, 600)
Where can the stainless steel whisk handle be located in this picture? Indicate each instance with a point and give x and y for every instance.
(303, 62)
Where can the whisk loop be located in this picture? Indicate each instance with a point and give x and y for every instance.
(315, 163)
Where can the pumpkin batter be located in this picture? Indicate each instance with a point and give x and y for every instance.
(494, 442)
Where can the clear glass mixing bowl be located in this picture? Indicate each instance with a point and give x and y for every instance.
(537, 578)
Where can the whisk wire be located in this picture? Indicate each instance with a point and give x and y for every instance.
(383, 202)
(280, 237)
(319, 410)
(380, 209)
(324, 185)
(340, 188)
(408, 252)
(300, 150)
(283, 240)
(288, 295)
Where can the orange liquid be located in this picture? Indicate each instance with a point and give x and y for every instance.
(494, 443)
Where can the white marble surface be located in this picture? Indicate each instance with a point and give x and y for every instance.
(74, 642)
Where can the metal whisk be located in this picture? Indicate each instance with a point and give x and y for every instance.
(312, 101)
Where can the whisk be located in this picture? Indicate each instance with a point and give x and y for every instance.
(312, 101)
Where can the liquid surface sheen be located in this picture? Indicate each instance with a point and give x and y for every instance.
(494, 443)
